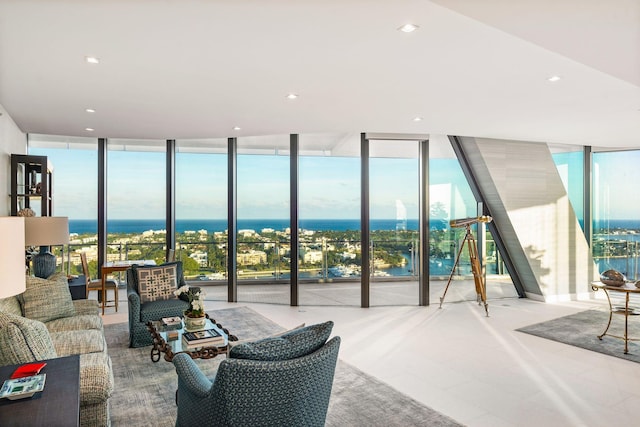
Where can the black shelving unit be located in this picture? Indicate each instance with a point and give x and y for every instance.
(31, 181)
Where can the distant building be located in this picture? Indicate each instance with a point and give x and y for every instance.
(247, 233)
(251, 258)
(312, 256)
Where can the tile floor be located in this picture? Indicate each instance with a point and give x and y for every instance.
(476, 369)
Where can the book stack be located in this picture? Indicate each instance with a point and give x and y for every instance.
(205, 338)
(171, 321)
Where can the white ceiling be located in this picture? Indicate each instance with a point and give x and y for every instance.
(196, 69)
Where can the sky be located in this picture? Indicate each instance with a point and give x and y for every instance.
(329, 186)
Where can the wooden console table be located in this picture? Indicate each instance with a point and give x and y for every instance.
(627, 289)
(57, 405)
(112, 267)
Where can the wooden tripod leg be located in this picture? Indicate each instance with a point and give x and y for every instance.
(453, 269)
(478, 277)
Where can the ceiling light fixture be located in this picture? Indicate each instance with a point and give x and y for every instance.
(292, 96)
(90, 110)
(408, 28)
(554, 79)
(417, 119)
(92, 59)
(89, 129)
(237, 128)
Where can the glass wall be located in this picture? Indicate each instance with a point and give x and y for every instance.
(450, 197)
(329, 214)
(201, 213)
(75, 194)
(136, 200)
(263, 247)
(329, 205)
(394, 228)
(615, 210)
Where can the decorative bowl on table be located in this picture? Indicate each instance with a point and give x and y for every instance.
(613, 278)
(638, 284)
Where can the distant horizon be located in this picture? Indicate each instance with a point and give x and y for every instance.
(83, 226)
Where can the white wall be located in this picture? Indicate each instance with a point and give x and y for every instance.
(12, 141)
(533, 213)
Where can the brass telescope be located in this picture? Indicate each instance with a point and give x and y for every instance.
(470, 243)
(463, 222)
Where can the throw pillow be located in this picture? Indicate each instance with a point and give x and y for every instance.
(47, 299)
(293, 344)
(133, 278)
(157, 283)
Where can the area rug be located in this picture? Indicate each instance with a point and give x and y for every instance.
(145, 391)
(582, 330)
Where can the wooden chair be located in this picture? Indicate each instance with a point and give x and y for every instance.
(96, 284)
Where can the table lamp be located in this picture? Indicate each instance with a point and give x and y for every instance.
(45, 231)
(12, 268)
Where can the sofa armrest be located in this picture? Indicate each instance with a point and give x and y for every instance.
(86, 306)
(190, 376)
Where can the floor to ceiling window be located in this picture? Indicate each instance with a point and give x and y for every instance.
(616, 228)
(75, 194)
(136, 200)
(394, 227)
(263, 246)
(201, 213)
(329, 216)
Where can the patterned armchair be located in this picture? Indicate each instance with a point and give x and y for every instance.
(141, 311)
(279, 381)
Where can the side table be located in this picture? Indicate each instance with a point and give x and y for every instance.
(627, 289)
(57, 405)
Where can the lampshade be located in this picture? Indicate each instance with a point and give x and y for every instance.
(12, 267)
(46, 230)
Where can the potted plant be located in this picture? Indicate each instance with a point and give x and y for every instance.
(194, 316)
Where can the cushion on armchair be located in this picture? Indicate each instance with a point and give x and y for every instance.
(136, 268)
(157, 282)
(296, 343)
(47, 299)
(23, 340)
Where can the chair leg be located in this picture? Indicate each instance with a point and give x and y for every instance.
(115, 290)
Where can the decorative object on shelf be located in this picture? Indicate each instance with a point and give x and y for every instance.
(45, 231)
(26, 212)
(612, 278)
(194, 317)
(638, 284)
(12, 256)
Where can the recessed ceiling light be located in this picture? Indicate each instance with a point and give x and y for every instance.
(292, 96)
(417, 119)
(237, 128)
(89, 129)
(554, 79)
(92, 59)
(408, 28)
(90, 110)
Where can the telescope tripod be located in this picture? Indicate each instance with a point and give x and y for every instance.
(481, 289)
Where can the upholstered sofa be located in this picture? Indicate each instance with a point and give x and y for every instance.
(44, 323)
(284, 380)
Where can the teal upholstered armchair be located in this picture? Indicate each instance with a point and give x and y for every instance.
(279, 381)
(150, 296)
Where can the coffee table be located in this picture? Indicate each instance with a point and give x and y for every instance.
(170, 347)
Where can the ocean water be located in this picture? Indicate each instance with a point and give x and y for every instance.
(84, 226)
